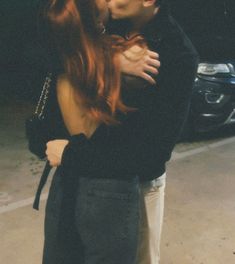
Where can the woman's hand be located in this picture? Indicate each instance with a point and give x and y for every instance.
(140, 65)
(55, 150)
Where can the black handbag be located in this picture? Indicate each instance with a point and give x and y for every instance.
(36, 126)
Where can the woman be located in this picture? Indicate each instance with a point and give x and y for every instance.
(92, 213)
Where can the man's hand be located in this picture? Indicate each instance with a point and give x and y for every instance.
(55, 150)
(140, 62)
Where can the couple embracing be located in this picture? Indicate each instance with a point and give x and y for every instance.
(122, 86)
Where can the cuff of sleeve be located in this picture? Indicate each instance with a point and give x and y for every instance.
(77, 141)
(74, 146)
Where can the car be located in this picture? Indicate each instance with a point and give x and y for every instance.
(211, 27)
(213, 100)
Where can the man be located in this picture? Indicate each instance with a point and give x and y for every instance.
(152, 20)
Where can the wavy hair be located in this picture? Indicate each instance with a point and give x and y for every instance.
(87, 56)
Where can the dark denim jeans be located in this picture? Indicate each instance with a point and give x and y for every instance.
(105, 230)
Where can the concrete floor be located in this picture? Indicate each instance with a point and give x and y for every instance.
(199, 221)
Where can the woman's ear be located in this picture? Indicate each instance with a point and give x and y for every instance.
(148, 3)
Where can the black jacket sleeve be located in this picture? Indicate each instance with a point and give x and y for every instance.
(169, 111)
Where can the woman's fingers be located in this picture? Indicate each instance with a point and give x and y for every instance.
(148, 63)
(151, 69)
(54, 150)
(53, 160)
(152, 54)
(153, 62)
(147, 77)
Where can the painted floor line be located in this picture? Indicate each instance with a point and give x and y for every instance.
(19, 204)
(222, 142)
(185, 154)
(175, 156)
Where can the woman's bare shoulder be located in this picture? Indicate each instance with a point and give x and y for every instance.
(63, 80)
(64, 87)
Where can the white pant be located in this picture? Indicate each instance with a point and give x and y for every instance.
(151, 219)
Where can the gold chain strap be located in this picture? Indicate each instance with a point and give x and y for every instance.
(43, 97)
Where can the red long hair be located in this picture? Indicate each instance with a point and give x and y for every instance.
(88, 59)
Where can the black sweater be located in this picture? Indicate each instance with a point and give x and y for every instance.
(144, 141)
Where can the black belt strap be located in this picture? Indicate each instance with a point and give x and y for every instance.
(41, 184)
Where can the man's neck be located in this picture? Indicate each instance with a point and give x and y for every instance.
(139, 23)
